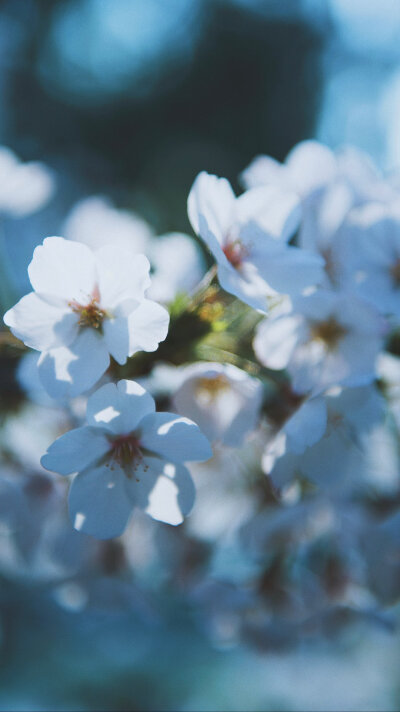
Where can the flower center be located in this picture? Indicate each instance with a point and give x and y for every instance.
(90, 314)
(329, 331)
(210, 387)
(126, 452)
(235, 252)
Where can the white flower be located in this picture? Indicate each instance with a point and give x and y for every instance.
(127, 456)
(248, 238)
(95, 222)
(223, 400)
(330, 184)
(178, 266)
(326, 438)
(85, 307)
(24, 187)
(328, 339)
(369, 248)
(308, 167)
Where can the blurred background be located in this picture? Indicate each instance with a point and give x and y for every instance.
(131, 99)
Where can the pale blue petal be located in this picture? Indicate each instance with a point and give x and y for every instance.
(69, 371)
(119, 408)
(76, 450)
(174, 438)
(99, 503)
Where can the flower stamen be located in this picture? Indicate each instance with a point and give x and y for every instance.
(90, 314)
(328, 331)
(209, 388)
(126, 452)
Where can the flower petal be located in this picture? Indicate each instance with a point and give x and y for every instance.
(68, 371)
(164, 490)
(99, 503)
(174, 438)
(76, 450)
(276, 211)
(290, 270)
(276, 340)
(64, 269)
(251, 292)
(211, 209)
(119, 408)
(121, 275)
(42, 322)
(148, 325)
(306, 426)
(172, 496)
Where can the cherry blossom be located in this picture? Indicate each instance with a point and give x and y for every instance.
(369, 248)
(223, 400)
(248, 238)
(127, 456)
(86, 306)
(327, 339)
(330, 184)
(24, 187)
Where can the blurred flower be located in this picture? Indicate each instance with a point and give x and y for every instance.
(329, 184)
(326, 440)
(222, 399)
(370, 253)
(327, 339)
(95, 222)
(178, 266)
(24, 187)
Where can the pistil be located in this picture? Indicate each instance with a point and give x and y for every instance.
(126, 452)
(90, 314)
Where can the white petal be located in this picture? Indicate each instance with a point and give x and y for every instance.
(121, 275)
(68, 371)
(276, 340)
(306, 426)
(164, 490)
(64, 269)
(148, 325)
(42, 322)
(211, 209)
(116, 331)
(264, 171)
(276, 211)
(291, 269)
(173, 438)
(311, 166)
(119, 408)
(76, 450)
(254, 293)
(99, 503)
(178, 266)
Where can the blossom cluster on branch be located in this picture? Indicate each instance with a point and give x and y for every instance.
(278, 369)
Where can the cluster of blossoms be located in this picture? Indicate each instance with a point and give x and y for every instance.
(280, 372)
